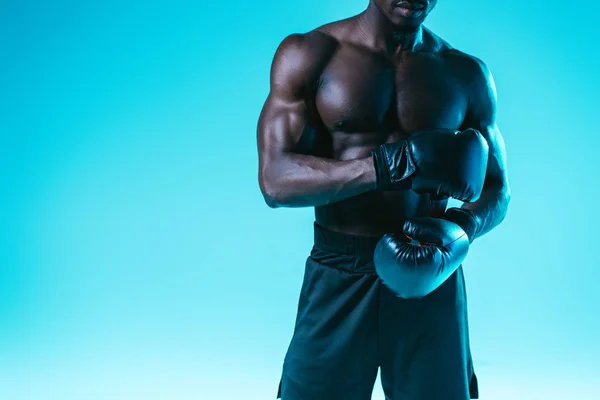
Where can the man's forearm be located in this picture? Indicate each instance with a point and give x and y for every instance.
(295, 180)
(490, 209)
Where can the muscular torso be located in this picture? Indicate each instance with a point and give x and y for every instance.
(363, 98)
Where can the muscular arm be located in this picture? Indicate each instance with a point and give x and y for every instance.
(491, 207)
(287, 176)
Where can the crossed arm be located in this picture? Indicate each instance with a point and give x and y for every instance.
(289, 178)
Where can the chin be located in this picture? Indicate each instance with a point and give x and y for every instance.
(406, 25)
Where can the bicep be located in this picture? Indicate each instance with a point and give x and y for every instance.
(496, 170)
(280, 125)
(481, 115)
(284, 118)
(284, 122)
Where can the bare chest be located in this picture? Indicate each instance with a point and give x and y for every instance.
(366, 93)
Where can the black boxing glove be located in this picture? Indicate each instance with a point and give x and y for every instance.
(442, 162)
(416, 262)
(464, 218)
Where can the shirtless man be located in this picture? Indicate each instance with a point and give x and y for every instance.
(345, 102)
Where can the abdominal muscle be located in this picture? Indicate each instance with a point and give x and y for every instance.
(376, 212)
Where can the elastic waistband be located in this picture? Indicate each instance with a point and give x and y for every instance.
(343, 243)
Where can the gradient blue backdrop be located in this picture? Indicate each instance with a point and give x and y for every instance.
(137, 259)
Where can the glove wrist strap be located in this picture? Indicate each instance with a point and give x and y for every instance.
(397, 157)
(381, 172)
(464, 218)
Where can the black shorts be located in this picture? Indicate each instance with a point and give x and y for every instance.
(349, 325)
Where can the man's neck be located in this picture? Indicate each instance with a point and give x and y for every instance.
(383, 34)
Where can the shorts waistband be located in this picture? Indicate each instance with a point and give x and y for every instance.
(344, 243)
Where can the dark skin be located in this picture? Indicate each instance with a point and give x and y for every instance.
(341, 90)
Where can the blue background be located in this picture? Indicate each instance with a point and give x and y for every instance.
(138, 260)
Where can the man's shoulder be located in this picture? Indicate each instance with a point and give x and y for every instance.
(436, 44)
(309, 52)
(301, 57)
(470, 66)
(321, 39)
(305, 42)
(466, 63)
(472, 71)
